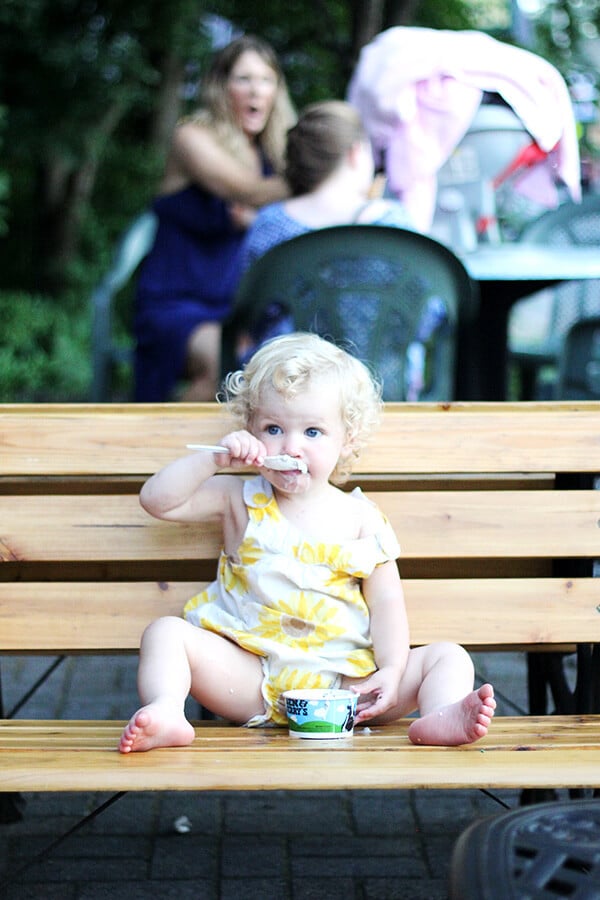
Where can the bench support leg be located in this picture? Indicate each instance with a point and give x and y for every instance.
(11, 805)
(11, 808)
(14, 876)
(545, 670)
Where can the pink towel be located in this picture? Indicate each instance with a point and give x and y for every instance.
(417, 90)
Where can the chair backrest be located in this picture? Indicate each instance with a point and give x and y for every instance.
(390, 296)
(131, 249)
(569, 224)
(579, 372)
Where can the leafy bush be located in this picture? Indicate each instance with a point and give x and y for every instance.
(44, 351)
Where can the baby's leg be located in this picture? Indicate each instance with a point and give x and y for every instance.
(451, 712)
(177, 659)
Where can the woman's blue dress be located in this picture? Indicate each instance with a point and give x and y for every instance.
(188, 278)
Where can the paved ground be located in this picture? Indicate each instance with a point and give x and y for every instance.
(358, 845)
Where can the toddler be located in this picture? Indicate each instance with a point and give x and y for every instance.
(308, 593)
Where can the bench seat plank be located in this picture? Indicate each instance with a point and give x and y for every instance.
(70, 617)
(79, 756)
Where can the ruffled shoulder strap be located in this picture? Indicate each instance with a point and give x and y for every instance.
(258, 493)
(384, 535)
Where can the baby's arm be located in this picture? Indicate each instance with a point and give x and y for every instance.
(187, 490)
(390, 636)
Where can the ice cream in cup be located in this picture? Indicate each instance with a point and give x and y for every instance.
(320, 714)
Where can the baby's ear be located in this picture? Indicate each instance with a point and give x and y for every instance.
(350, 449)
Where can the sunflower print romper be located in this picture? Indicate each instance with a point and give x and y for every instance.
(295, 602)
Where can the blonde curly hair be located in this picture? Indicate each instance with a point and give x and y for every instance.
(289, 364)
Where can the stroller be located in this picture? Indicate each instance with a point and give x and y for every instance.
(475, 136)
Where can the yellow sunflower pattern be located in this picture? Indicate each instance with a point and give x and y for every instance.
(304, 620)
(321, 554)
(362, 662)
(298, 604)
(262, 508)
(346, 588)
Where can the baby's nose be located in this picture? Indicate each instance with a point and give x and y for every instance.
(292, 446)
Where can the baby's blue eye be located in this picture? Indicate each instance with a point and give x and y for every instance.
(312, 432)
(273, 429)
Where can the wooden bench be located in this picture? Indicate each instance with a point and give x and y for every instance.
(496, 512)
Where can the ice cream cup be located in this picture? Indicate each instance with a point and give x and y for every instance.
(320, 714)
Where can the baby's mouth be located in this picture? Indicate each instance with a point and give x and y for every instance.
(285, 463)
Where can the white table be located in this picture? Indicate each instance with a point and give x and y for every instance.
(520, 265)
(504, 274)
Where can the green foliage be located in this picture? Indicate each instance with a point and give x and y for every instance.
(558, 32)
(68, 52)
(44, 354)
(313, 42)
(453, 14)
(125, 187)
(4, 177)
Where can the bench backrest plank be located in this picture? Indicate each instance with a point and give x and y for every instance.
(138, 439)
(81, 617)
(438, 525)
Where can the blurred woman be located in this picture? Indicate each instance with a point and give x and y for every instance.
(223, 164)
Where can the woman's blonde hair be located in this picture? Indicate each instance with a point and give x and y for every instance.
(319, 141)
(218, 114)
(290, 364)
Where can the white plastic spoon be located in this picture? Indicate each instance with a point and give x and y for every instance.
(283, 463)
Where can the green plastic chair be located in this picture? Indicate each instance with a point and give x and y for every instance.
(392, 297)
(561, 307)
(579, 370)
(131, 249)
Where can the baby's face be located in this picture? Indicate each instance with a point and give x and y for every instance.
(307, 427)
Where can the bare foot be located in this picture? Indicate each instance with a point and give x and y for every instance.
(156, 725)
(460, 723)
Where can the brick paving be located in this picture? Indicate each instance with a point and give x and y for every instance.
(352, 845)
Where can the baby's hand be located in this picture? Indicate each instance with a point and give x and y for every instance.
(378, 693)
(244, 450)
